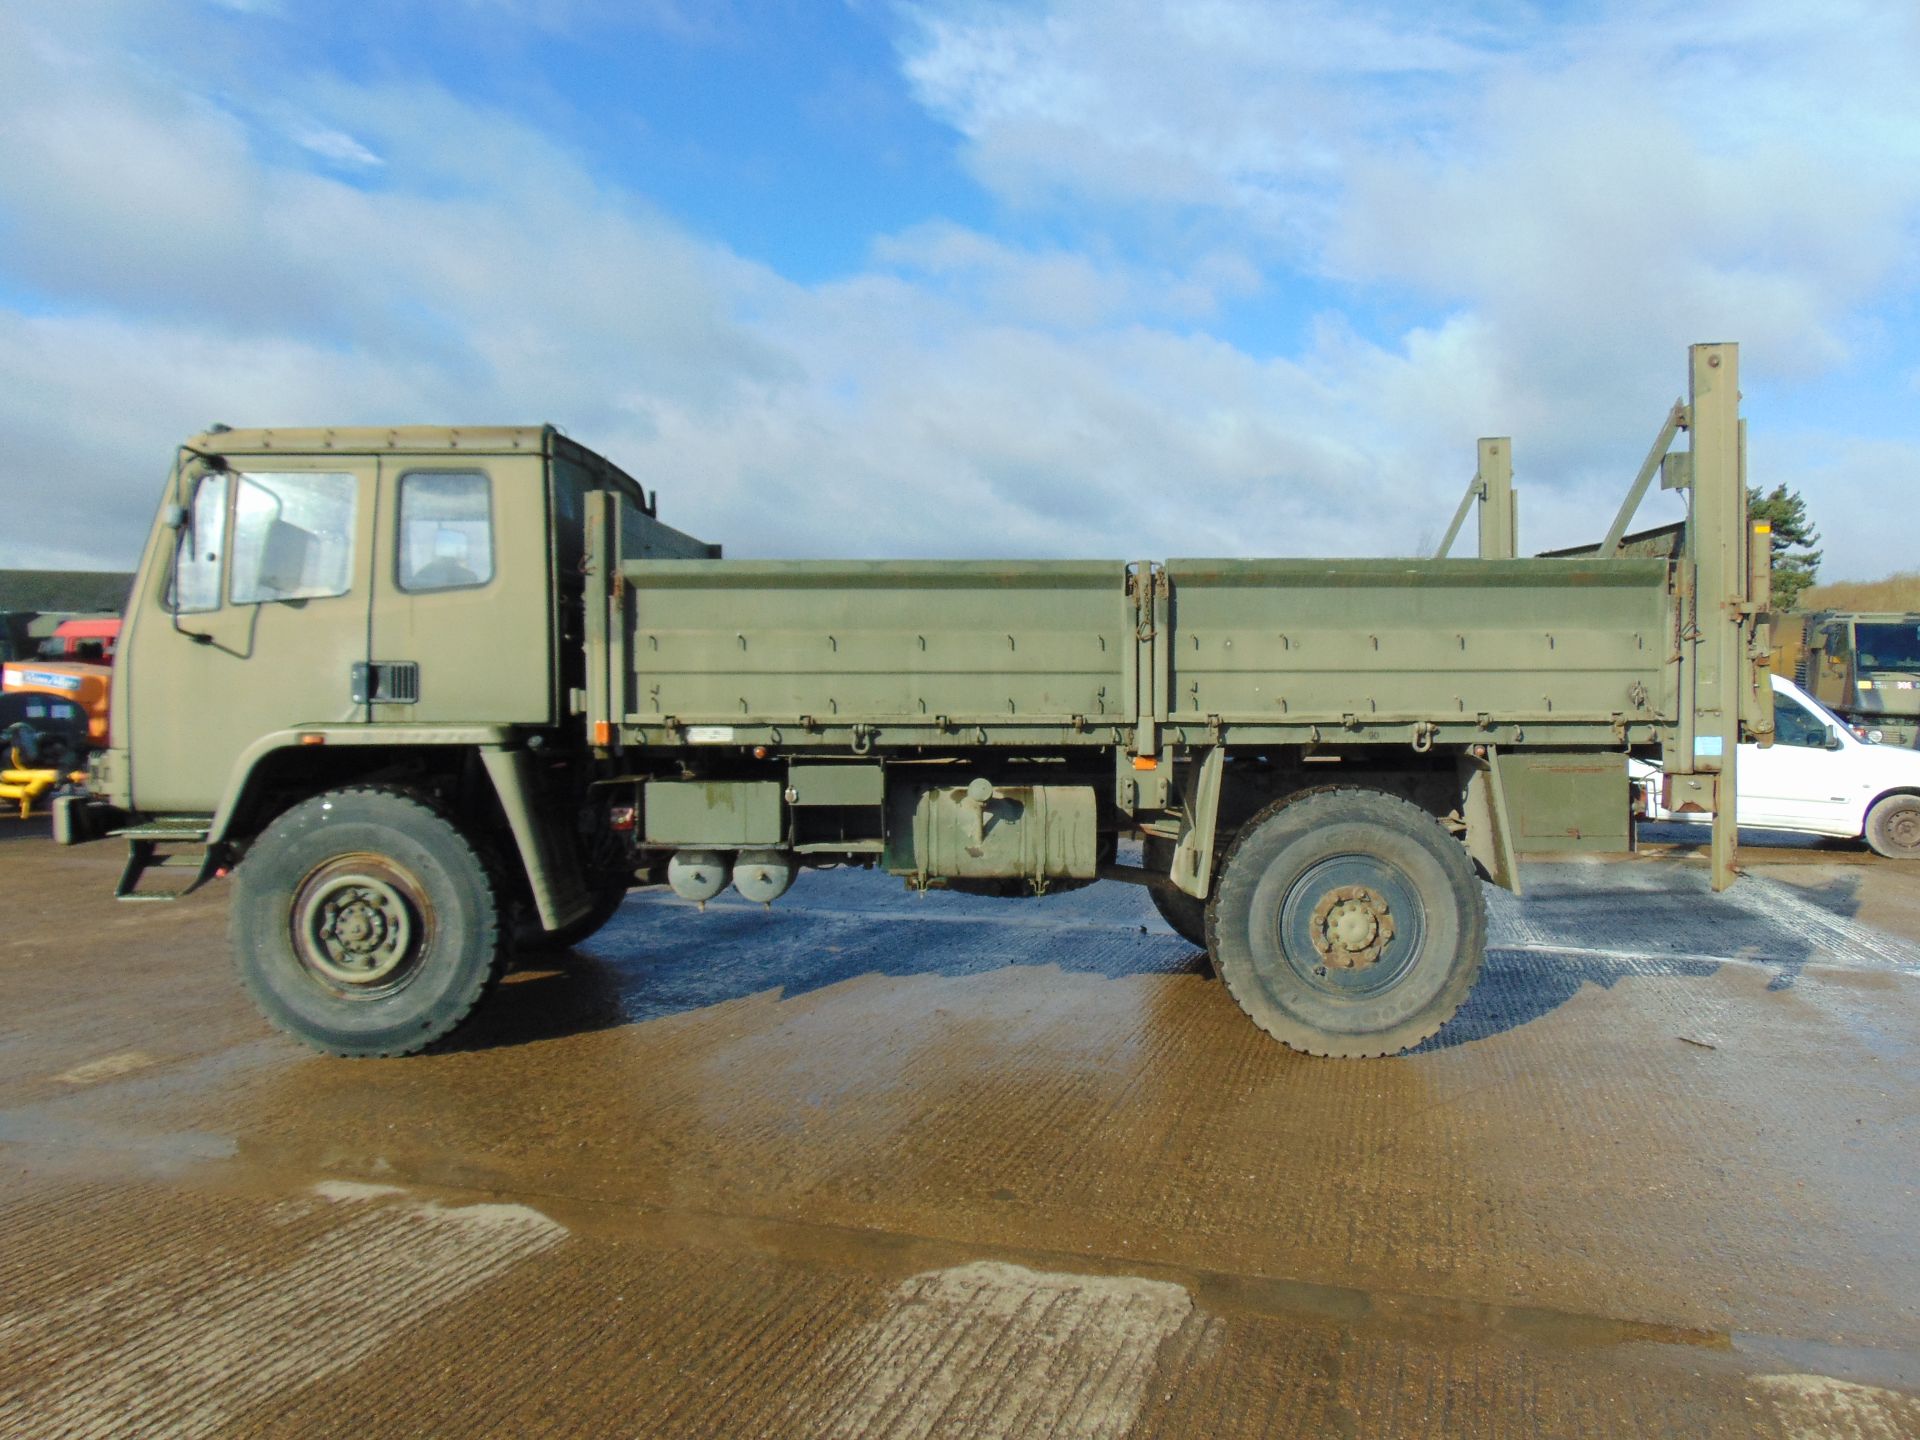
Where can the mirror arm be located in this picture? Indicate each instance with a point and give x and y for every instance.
(178, 518)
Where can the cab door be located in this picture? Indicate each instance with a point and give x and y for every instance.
(462, 616)
(253, 620)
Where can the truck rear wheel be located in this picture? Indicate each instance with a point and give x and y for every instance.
(1183, 912)
(1347, 922)
(365, 923)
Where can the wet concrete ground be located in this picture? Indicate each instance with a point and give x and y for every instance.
(871, 1165)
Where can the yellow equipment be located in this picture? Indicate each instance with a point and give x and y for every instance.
(26, 786)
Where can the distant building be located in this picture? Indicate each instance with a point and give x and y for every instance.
(75, 591)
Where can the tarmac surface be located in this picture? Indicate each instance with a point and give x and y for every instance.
(872, 1165)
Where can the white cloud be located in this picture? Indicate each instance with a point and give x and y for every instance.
(337, 146)
(962, 394)
(1581, 197)
(1848, 485)
(1594, 214)
(1249, 107)
(92, 407)
(1058, 288)
(965, 397)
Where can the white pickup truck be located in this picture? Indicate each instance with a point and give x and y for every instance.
(1819, 777)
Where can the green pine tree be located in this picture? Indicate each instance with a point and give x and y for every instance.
(1795, 561)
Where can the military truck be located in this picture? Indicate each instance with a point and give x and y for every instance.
(1863, 666)
(429, 696)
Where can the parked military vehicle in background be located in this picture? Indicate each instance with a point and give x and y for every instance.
(431, 693)
(1863, 666)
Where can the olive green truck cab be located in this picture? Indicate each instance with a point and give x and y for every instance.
(428, 696)
(1864, 666)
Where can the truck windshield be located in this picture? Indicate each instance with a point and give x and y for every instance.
(1887, 647)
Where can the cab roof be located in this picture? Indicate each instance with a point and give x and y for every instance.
(378, 439)
(415, 440)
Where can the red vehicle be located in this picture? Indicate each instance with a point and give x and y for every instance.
(93, 638)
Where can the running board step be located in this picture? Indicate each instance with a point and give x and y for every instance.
(165, 848)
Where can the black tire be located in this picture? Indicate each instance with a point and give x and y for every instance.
(1183, 912)
(1893, 827)
(364, 922)
(534, 938)
(1394, 900)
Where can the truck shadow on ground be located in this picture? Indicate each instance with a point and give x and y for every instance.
(660, 958)
(1682, 838)
(1656, 917)
(1519, 986)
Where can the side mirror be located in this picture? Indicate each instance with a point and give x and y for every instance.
(1833, 738)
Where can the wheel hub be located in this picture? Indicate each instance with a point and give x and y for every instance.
(1351, 926)
(355, 928)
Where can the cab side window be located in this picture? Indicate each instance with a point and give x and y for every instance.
(446, 530)
(202, 541)
(293, 535)
(1794, 724)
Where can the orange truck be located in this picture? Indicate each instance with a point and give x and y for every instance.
(52, 714)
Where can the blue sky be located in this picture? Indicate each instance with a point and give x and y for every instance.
(957, 277)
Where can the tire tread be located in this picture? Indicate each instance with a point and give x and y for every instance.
(1297, 1035)
(294, 821)
(1874, 831)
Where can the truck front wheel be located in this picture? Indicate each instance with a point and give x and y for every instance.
(1347, 922)
(365, 923)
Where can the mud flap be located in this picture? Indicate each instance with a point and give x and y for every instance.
(1192, 868)
(559, 889)
(1489, 835)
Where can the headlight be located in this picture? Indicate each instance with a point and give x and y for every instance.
(1874, 737)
